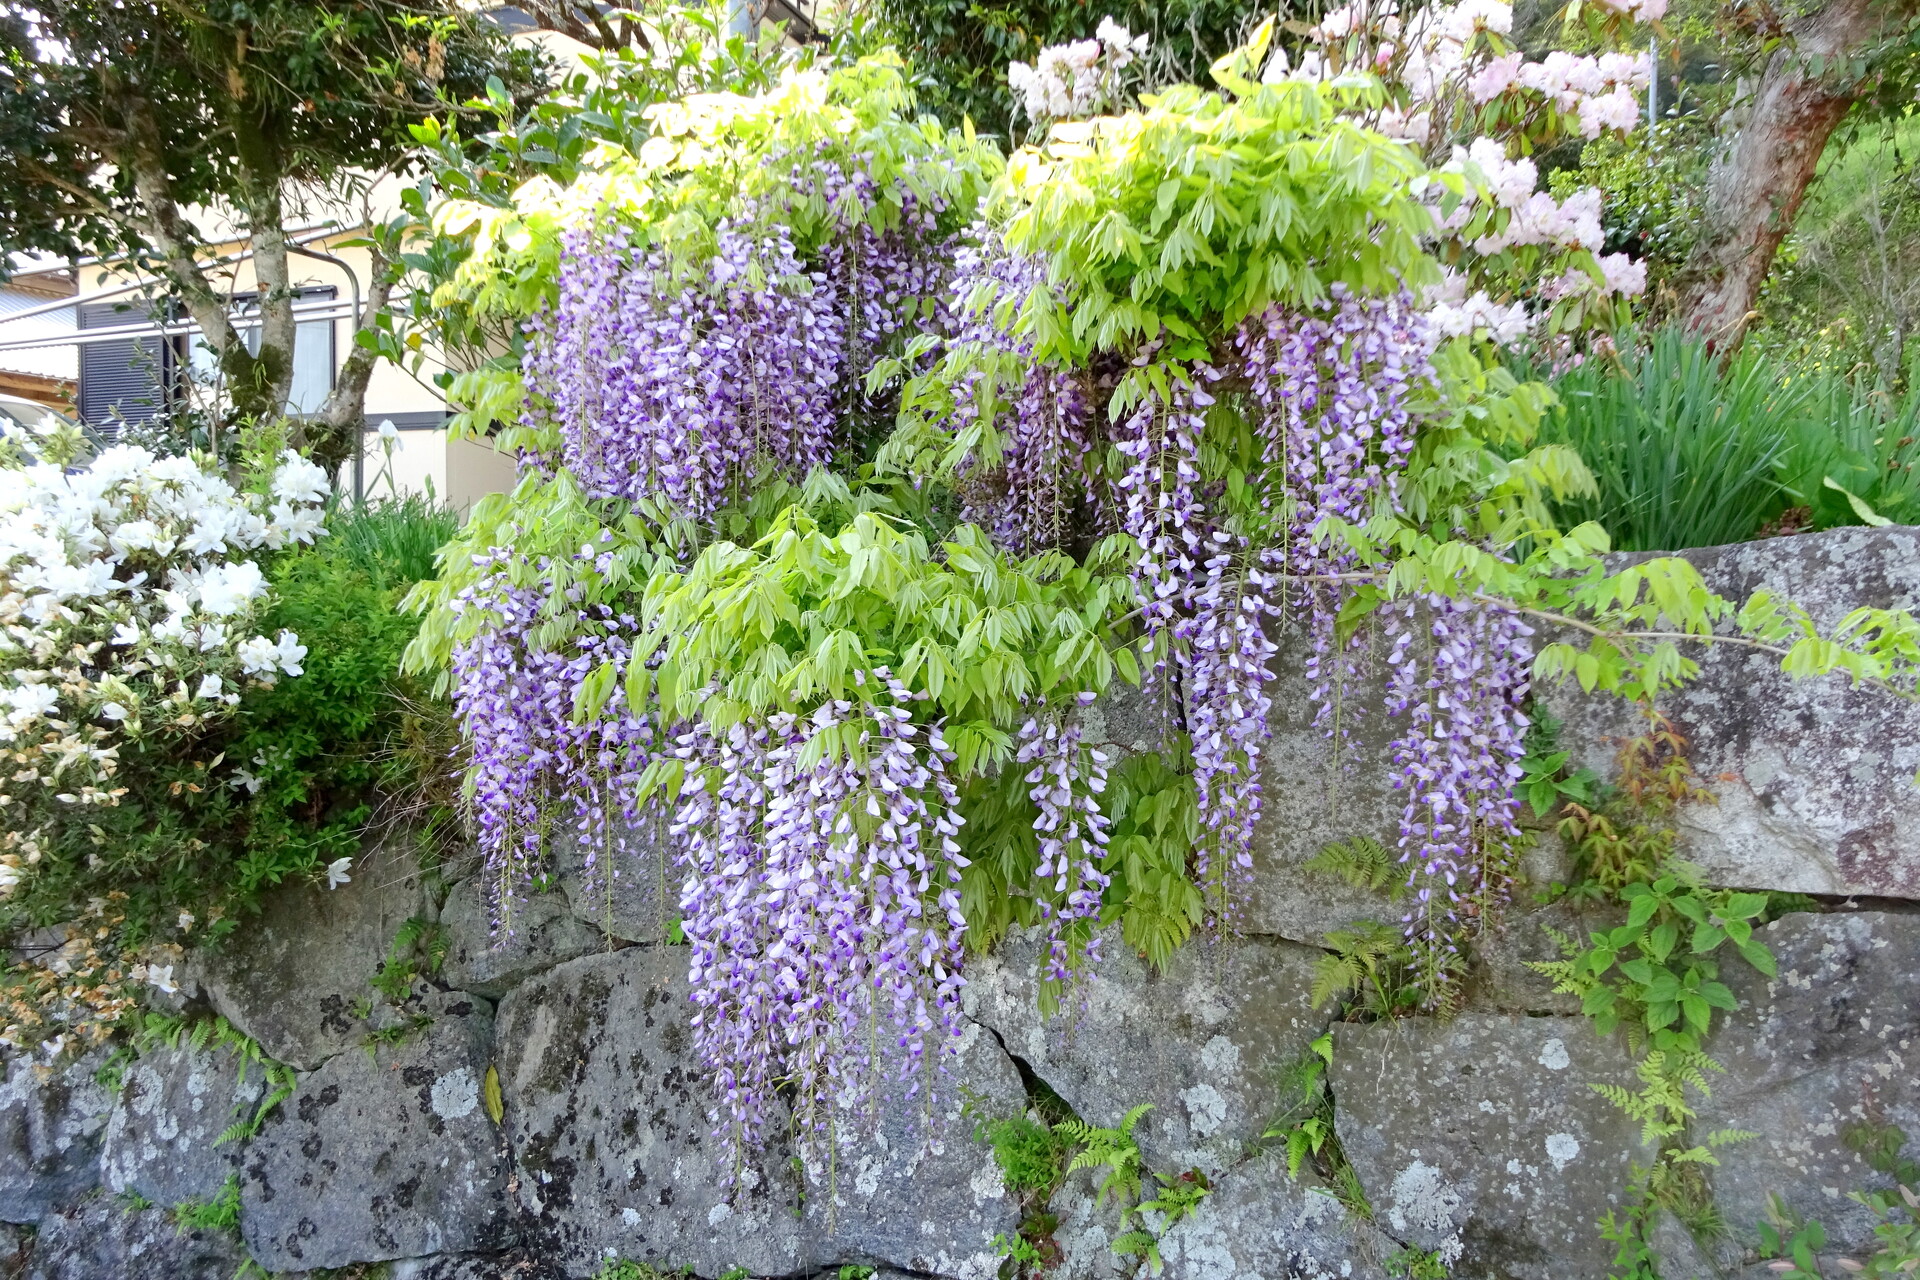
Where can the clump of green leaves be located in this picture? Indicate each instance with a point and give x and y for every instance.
(1896, 1234)
(419, 947)
(1655, 977)
(1032, 1155)
(1415, 1264)
(1304, 1122)
(1546, 781)
(1364, 863)
(220, 1212)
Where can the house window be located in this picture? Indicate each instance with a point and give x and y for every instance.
(136, 379)
(130, 380)
(313, 354)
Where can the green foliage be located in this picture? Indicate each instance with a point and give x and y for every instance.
(1370, 969)
(1850, 460)
(1897, 1210)
(1032, 1155)
(1653, 180)
(1178, 1197)
(624, 1269)
(1364, 863)
(394, 541)
(1415, 1264)
(1545, 781)
(1184, 218)
(1305, 1120)
(1653, 973)
(219, 1213)
(1112, 1150)
(1682, 443)
(960, 50)
(1151, 805)
(418, 942)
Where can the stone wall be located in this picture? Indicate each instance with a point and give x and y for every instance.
(1479, 1136)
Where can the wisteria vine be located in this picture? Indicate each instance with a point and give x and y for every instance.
(1198, 486)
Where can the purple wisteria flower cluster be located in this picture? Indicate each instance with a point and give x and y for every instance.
(822, 906)
(1332, 389)
(1203, 586)
(676, 389)
(814, 849)
(1032, 416)
(515, 702)
(1459, 672)
(1065, 779)
(1336, 389)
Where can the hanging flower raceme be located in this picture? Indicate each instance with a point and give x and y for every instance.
(822, 906)
(528, 750)
(676, 385)
(1334, 388)
(1029, 419)
(1065, 780)
(1459, 672)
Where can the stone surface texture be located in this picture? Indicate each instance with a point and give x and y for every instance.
(638, 900)
(601, 1046)
(102, 1239)
(1814, 779)
(1313, 794)
(1823, 1054)
(1201, 1041)
(1260, 1225)
(50, 1127)
(606, 1111)
(1479, 1137)
(916, 1190)
(173, 1106)
(382, 1154)
(291, 979)
(540, 931)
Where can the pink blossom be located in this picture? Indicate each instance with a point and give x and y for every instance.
(1496, 77)
(1623, 274)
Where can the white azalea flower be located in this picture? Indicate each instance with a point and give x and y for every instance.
(290, 653)
(127, 633)
(209, 687)
(258, 656)
(299, 480)
(186, 921)
(337, 872)
(161, 976)
(228, 588)
(113, 711)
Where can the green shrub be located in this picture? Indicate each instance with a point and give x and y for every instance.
(285, 786)
(1684, 447)
(1851, 461)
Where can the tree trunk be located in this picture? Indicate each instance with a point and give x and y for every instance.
(1758, 180)
(335, 430)
(261, 166)
(168, 230)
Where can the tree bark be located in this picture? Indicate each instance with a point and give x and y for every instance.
(168, 231)
(1760, 177)
(260, 196)
(333, 432)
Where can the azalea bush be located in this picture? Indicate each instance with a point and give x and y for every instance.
(859, 461)
(199, 668)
